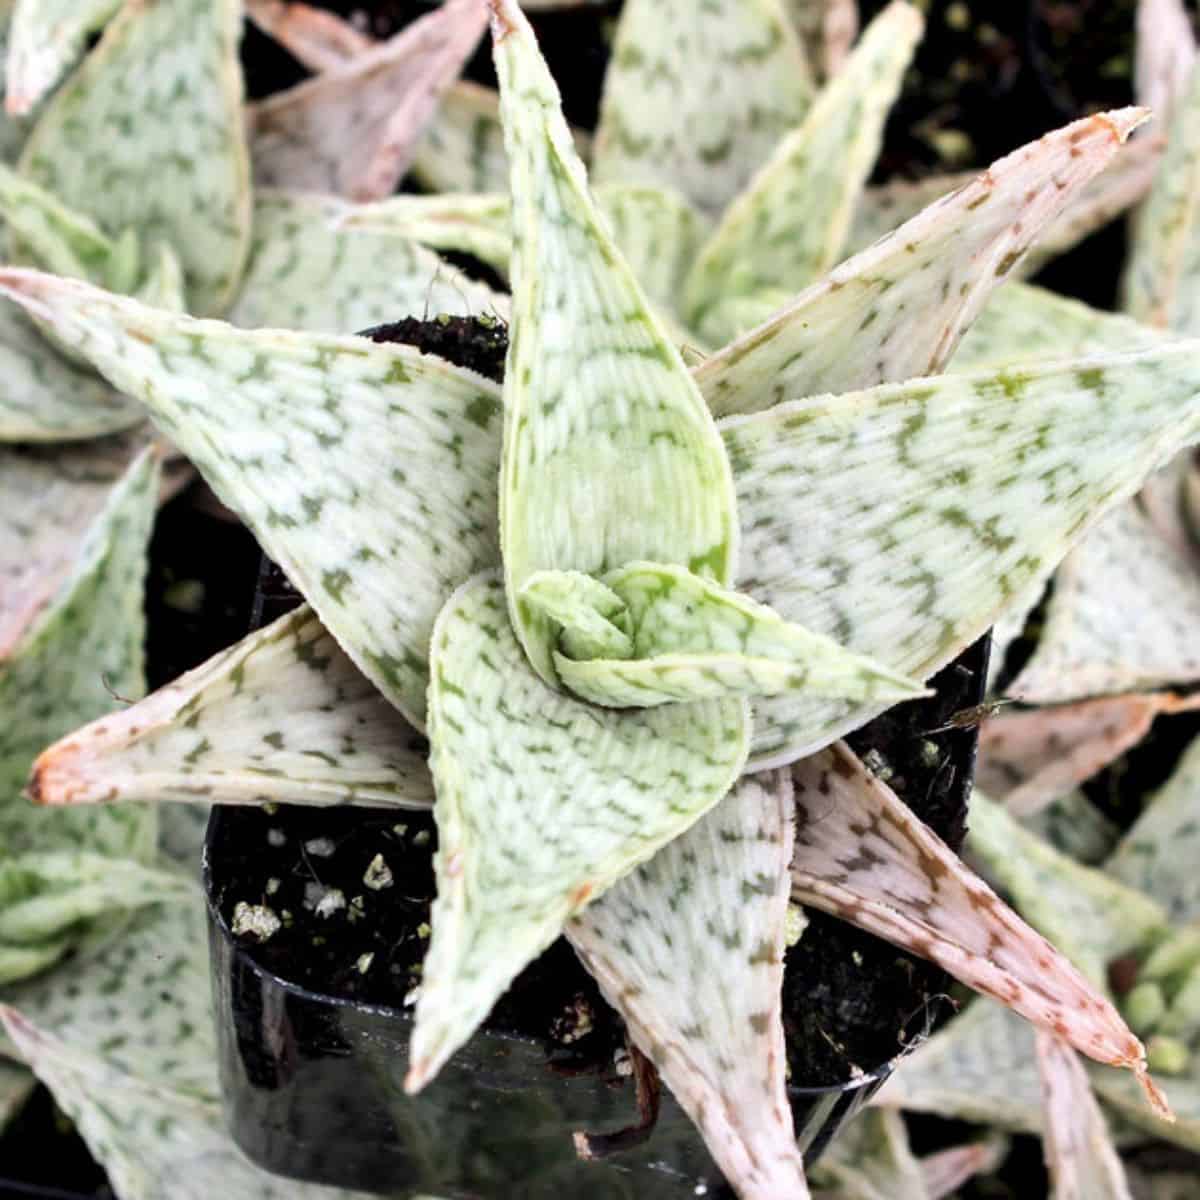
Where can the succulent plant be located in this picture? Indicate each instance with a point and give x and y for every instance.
(521, 621)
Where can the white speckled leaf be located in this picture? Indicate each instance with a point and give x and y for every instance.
(790, 224)
(1124, 615)
(163, 285)
(1090, 916)
(319, 39)
(697, 95)
(310, 270)
(897, 520)
(259, 412)
(1027, 759)
(45, 39)
(862, 855)
(1080, 1155)
(610, 455)
(1074, 826)
(217, 735)
(543, 802)
(899, 308)
(694, 640)
(870, 1159)
(1165, 54)
(1162, 274)
(980, 1067)
(352, 130)
(160, 98)
(945, 1171)
(698, 982)
(471, 224)
(1158, 855)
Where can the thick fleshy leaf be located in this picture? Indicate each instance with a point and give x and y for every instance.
(1089, 915)
(217, 735)
(1074, 826)
(694, 640)
(1182, 1093)
(697, 96)
(99, 140)
(897, 520)
(1166, 54)
(543, 802)
(1169, 499)
(1158, 855)
(610, 455)
(1124, 616)
(945, 1171)
(352, 130)
(790, 225)
(899, 308)
(862, 855)
(319, 39)
(1162, 275)
(1081, 1157)
(718, 1045)
(308, 270)
(258, 413)
(1028, 759)
(981, 1067)
(871, 1160)
(45, 39)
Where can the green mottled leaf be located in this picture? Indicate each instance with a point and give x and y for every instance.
(790, 225)
(1083, 1162)
(1158, 854)
(711, 905)
(595, 621)
(217, 735)
(694, 640)
(543, 802)
(610, 455)
(1124, 615)
(1162, 272)
(980, 1067)
(697, 96)
(1090, 916)
(352, 130)
(871, 1160)
(896, 520)
(899, 308)
(259, 413)
(1029, 758)
(1074, 826)
(863, 856)
(45, 40)
(1166, 53)
(310, 270)
(319, 39)
(159, 99)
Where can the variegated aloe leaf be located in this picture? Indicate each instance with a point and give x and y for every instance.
(1163, 270)
(98, 140)
(789, 226)
(980, 1067)
(1124, 615)
(352, 130)
(1027, 759)
(899, 308)
(1182, 1093)
(1170, 501)
(828, 29)
(718, 1045)
(863, 856)
(610, 455)
(872, 1160)
(1074, 826)
(215, 735)
(258, 413)
(697, 96)
(945, 1171)
(1083, 1162)
(45, 39)
(1158, 854)
(1091, 916)
(911, 579)
(319, 39)
(463, 146)
(543, 802)
(309, 270)
(1166, 54)
(689, 639)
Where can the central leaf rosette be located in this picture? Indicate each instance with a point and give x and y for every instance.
(589, 706)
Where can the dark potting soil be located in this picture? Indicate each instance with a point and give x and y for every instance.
(850, 1000)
